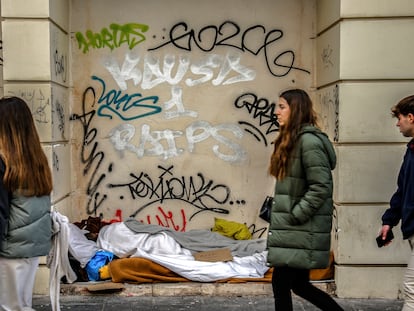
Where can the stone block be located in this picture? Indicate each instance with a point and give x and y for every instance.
(59, 55)
(56, 10)
(24, 8)
(28, 57)
(376, 8)
(40, 54)
(328, 56)
(366, 173)
(59, 161)
(369, 282)
(367, 43)
(356, 227)
(364, 111)
(352, 50)
(343, 111)
(49, 105)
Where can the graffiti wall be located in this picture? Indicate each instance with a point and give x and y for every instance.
(172, 117)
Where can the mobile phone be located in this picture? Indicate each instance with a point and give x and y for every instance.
(388, 238)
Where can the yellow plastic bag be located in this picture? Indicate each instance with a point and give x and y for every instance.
(231, 229)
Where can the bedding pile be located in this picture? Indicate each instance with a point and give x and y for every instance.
(130, 251)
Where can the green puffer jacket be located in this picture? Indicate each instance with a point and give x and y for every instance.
(301, 218)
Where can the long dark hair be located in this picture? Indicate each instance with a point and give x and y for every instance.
(301, 112)
(27, 168)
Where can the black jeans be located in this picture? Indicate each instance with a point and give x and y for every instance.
(285, 280)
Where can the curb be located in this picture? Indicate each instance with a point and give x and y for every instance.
(177, 289)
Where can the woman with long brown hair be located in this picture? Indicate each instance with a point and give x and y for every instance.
(301, 217)
(25, 187)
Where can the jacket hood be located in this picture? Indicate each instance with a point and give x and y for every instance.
(325, 141)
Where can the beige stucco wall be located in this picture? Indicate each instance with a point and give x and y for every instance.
(204, 77)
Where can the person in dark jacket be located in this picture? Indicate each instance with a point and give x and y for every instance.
(301, 218)
(402, 201)
(25, 220)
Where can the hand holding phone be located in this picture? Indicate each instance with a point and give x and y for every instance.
(388, 238)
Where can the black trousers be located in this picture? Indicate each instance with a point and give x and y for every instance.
(285, 280)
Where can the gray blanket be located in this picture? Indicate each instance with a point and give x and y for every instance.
(202, 240)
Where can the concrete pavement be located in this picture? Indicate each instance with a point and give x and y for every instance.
(250, 296)
(199, 303)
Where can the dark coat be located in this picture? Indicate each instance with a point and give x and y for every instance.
(301, 218)
(402, 201)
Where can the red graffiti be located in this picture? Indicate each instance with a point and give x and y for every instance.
(118, 217)
(167, 220)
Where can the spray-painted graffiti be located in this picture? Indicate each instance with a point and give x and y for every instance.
(119, 104)
(37, 102)
(91, 157)
(55, 161)
(329, 101)
(176, 102)
(201, 193)
(261, 109)
(198, 131)
(326, 57)
(162, 218)
(1, 49)
(60, 62)
(169, 219)
(60, 117)
(257, 233)
(229, 34)
(229, 70)
(117, 35)
(41, 105)
(197, 191)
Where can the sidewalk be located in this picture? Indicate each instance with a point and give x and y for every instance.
(200, 303)
(107, 296)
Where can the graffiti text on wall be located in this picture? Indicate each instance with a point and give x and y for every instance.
(198, 191)
(91, 157)
(229, 34)
(152, 74)
(258, 108)
(1, 48)
(61, 62)
(130, 34)
(126, 107)
(195, 133)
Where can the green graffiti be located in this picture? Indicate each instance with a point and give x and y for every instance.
(130, 34)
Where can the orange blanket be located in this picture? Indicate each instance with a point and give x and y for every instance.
(141, 270)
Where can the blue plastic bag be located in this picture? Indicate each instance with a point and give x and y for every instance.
(100, 259)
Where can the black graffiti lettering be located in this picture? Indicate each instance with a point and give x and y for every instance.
(279, 62)
(245, 40)
(260, 109)
(204, 38)
(197, 191)
(90, 156)
(288, 59)
(232, 34)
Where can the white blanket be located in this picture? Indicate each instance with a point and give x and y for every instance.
(163, 249)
